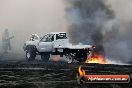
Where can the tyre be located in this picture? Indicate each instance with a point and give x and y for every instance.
(30, 55)
(45, 57)
(68, 58)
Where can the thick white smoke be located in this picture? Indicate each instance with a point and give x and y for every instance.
(120, 47)
(23, 17)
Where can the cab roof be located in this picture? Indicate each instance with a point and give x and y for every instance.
(56, 32)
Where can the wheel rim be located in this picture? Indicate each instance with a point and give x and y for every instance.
(68, 59)
(28, 55)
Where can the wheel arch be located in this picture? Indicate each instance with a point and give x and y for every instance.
(31, 48)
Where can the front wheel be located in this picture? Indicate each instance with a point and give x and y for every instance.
(45, 57)
(30, 55)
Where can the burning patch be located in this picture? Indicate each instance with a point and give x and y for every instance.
(96, 58)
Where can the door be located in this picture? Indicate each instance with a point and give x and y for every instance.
(46, 43)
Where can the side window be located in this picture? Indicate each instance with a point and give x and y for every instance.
(52, 38)
(61, 36)
(48, 38)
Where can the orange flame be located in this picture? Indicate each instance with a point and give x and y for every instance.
(96, 58)
(81, 71)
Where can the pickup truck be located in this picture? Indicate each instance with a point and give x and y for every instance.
(56, 43)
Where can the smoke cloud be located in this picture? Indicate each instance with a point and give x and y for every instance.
(105, 23)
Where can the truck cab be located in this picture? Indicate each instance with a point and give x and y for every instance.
(50, 41)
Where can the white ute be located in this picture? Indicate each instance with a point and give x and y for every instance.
(55, 43)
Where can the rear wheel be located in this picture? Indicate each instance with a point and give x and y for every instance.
(68, 58)
(30, 55)
(78, 57)
(45, 57)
